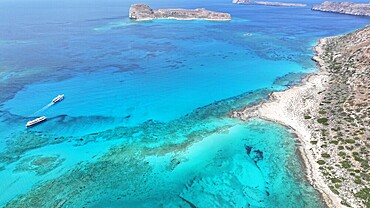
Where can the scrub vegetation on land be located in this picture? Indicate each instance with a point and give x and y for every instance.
(345, 103)
(330, 112)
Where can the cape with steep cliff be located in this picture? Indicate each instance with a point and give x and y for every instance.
(344, 8)
(269, 3)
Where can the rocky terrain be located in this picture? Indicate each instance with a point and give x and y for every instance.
(142, 12)
(330, 113)
(343, 120)
(268, 3)
(344, 8)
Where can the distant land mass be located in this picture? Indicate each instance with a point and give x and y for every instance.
(344, 8)
(269, 3)
(142, 12)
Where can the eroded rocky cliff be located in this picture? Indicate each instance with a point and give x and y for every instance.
(142, 12)
(268, 3)
(344, 8)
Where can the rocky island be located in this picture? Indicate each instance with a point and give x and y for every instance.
(142, 12)
(268, 3)
(344, 8)
(330, 113)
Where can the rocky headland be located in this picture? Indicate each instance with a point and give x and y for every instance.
(344, 8)
(330, 113)
(142, 12)
(268, 3)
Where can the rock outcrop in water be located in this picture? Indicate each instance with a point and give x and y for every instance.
(269, 3)
(344, 8)
(142, 12)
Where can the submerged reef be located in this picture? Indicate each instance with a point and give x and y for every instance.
(39, 164)
(142, 12)
(19, 143)
(199, 160)
(205, 171)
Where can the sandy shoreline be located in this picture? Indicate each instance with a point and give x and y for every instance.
(289, 109)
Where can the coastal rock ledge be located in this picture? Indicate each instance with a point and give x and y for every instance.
(344, 8)
(142, 12)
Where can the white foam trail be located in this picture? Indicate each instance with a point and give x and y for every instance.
(42, 109)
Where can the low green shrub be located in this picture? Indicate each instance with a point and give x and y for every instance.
(325, 155)
(322, 120)
(335, 180)
(321, 162)
(322, 112)
(346, 164)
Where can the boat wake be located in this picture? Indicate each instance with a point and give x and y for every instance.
(42, 109)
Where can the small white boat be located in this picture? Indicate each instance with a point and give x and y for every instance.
(35, 121)
(58, 98)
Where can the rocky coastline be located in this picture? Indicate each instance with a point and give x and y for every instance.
(344, 8)
(142, 12)
(330, 114)
(268, 3)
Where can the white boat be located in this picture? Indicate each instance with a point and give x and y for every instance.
(58, 98)
(35, 121)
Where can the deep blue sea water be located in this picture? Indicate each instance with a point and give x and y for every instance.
(145, 119)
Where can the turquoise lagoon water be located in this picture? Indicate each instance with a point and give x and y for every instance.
(145, 119)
